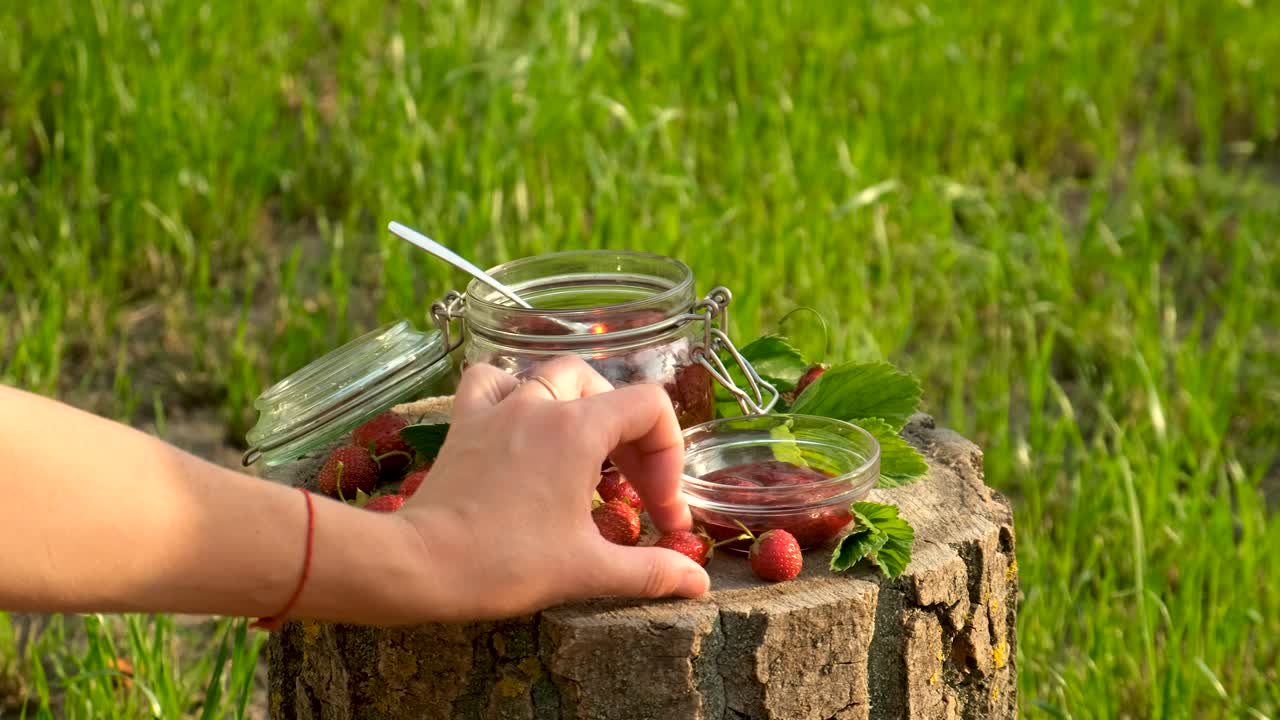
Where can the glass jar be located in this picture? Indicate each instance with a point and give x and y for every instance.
(799, 473)
(315, 409)
(633, 316)
(629, 315)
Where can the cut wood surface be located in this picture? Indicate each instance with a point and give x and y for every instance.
(937, 642)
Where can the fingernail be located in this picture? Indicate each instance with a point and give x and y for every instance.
(693, 583)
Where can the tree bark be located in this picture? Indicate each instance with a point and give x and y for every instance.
(937, 642)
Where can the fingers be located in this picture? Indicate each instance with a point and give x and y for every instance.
(570, 376)
(649, 572)
(638, 425)
(482, 386)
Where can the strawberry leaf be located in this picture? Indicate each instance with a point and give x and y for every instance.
(774, 358)
(856, 545)
(784, 445)
(862, 390)
(426, 438)
(726, 408)
(880, 535)
(895, 554)
(900, 463)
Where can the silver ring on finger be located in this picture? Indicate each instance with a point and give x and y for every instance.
(544, 383)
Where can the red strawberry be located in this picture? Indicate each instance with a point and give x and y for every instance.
(414, 480)
(347, 470)
(775, 556)
(618, 522)
(381, 436)
(385, 503)
(615, 487)
(388, 423)
(694, 545)
(691, 395)
(809, 376)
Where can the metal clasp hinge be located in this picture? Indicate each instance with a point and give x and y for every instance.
(761, 396)
(443, 312)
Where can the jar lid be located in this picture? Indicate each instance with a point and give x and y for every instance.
(337, 392)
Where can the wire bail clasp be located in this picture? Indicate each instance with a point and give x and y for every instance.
(443, 312)
(761, 396)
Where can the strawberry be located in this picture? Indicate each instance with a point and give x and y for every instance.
(613, 486)
(809, 376)
(618, 522)
(347, 469)
(694, 545)
(775, 555)
(388, 423)
(381, 436)
(414, 480)
(385, 503)
(691, 395)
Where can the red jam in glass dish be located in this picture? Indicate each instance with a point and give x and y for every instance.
(794, 472)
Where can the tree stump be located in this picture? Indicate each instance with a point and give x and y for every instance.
(937, 642)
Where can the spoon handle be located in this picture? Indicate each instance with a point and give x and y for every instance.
(454, 259)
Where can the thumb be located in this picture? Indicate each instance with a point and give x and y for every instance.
(651, 572)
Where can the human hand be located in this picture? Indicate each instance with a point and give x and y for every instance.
(506, 526)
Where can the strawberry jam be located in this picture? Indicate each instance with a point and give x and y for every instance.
(811, 513)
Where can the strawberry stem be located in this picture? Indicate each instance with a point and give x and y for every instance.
(378, 458)
(826, 333)
(726, 541)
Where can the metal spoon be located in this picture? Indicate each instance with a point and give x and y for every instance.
(413, 236)
(454, 259)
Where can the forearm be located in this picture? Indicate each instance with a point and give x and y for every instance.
(99, 517)
(96, 516)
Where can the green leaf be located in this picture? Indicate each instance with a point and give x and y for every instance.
(900, 463)
(814, 445)
(880, 535)
(862, 390)
(786, 449)
(727, 408)
(855, 546)
(774, 358)
(896, 553)
(426, 438)
(892, 557)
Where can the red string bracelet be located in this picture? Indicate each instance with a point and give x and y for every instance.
(275, 621)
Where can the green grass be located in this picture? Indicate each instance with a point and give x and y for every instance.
(81, 674)
(1061, 216)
